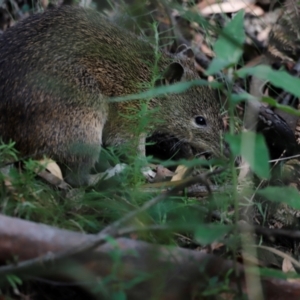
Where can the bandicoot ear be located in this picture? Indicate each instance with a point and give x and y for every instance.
(180, 48)
(185, 50)
(173, 73)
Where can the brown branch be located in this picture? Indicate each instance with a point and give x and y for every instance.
(170, 272)
(268, 232)
(111, 230)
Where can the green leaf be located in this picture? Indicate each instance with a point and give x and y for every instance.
(207, 234)
(279, 79)
(237, 98)
(14, 281)
(176, 88)
(287, 195)
(272, 102)
(229, 46)
(234, 142)
(253, 148)
(119, 295)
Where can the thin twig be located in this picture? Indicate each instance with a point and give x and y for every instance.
(270, 233)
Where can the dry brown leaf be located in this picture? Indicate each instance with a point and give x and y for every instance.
(199, 68)
(207, 51)
(225, 121)
(263, 35)
(179, 173)
(44, 3)
(210, 78)
(245, 171)
(7, 183)
(52, 174)
(52, 167)
(254, 62)
(254, 10)
(199, 42)
(287, 266)
(54, 180)
(205, 3)
(216, 245)
(225, 7)
(162, 173)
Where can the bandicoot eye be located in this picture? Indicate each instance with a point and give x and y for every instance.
(200, 121)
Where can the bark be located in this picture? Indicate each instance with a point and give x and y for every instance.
(168, 272)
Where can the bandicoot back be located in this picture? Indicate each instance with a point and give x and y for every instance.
(60, 67)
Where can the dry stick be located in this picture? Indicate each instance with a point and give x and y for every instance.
(192, 191)
(110, 230)
(268, 232)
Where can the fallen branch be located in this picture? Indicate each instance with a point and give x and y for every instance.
(172, 273)
(112, 229)
(269, 233)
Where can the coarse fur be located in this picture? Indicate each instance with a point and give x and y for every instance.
(284, 38)
(59, 68)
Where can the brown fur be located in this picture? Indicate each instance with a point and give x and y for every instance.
(284, 38)
(57, 71)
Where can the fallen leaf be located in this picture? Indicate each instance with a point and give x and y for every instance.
(205, 3)
(263, 35)
(179, 173)
(162, 173)
(227, 7)
(254, 10)
(52, 167)
(54, 180)
(287, 266)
